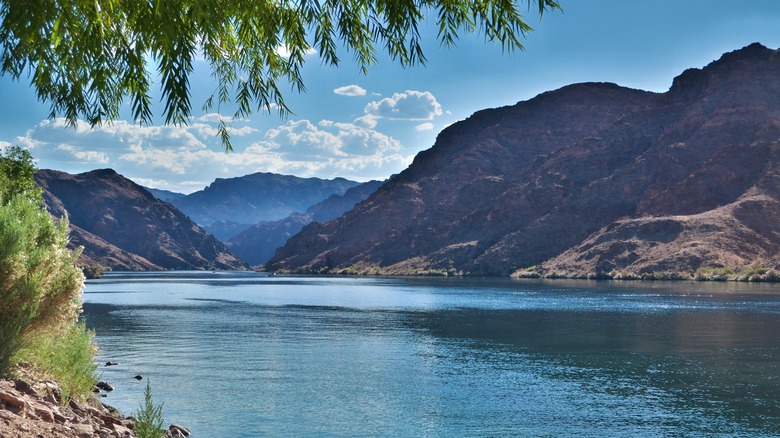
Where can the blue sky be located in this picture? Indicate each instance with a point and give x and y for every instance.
(371, 126)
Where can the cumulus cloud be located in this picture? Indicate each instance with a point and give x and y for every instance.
(427, 126)
(187, 158)
(409, 105)
(84, 156)
(366, 121)
(350, 90)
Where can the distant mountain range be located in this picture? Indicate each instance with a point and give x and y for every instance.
(122, 226)
(229, 206)
(165, 195)
(589, 179)
(257, 244)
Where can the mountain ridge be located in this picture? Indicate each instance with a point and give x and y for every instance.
(228, 206)
(123, 226)
(522, 185)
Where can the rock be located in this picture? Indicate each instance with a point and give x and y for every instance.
(7, 415)
(138, 377)
(45, 414)
(177, 431)
(53, 392)
(76, 406)
(22, 386)
(104, 386)
(83, 430)
(12, 400)
(110, 364)
(121, 430)
(59, 418)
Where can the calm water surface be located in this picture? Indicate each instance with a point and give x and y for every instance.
(245, 355)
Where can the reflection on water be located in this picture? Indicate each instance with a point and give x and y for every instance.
(238, 354)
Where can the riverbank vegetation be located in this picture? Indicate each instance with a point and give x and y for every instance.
(40, 285)
(755, 274)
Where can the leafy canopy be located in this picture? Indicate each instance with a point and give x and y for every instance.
(85, 57)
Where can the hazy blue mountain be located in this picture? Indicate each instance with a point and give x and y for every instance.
(254, 198)
(257, 244)
(164, 195)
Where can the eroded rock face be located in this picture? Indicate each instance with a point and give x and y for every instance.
(588, 177)
(122, 226)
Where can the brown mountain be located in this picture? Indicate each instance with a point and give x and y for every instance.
(588, 178)
(122, 226)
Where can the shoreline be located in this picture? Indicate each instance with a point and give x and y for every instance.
(32, 407)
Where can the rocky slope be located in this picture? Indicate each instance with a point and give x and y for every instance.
(228, 206)
(588, 178)
(30, 407)
(122, 226)
(257, 244)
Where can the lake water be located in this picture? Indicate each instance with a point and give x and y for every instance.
(245, 355)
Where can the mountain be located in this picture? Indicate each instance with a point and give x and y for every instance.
(164, 195)
(589, 179)
(122, 226)
(231, 205)
(257, 244)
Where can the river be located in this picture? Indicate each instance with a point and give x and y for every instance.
(241, 354)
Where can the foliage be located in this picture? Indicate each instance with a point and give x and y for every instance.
(68, 358)
(40, 287)
(17, 175)
(86, 57)
(713, 273)
(149, 418)
(93, 271)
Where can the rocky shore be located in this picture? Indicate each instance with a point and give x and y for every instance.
(33, 408)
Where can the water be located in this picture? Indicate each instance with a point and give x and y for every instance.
(246, 355)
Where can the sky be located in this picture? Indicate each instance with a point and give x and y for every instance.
(364, 127)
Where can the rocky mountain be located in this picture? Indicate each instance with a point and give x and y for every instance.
(122, 226)
(257, 244)
(592, 178)
(164, 195)
(229, 206)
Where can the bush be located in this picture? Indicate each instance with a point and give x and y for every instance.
(68, 358)
(40, 286)
(149, 418)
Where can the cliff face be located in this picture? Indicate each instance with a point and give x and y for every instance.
(122, 226)
(588, 177)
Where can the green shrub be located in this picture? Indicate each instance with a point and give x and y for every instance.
(68, 358)
(40, 286)
(149, 418)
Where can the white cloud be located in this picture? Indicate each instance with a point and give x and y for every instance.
(214, 118)
(427, 126)
(208, 131)
(366, 121)
(350, 90)
(85, 156)
(409, 105)
(172, 157)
